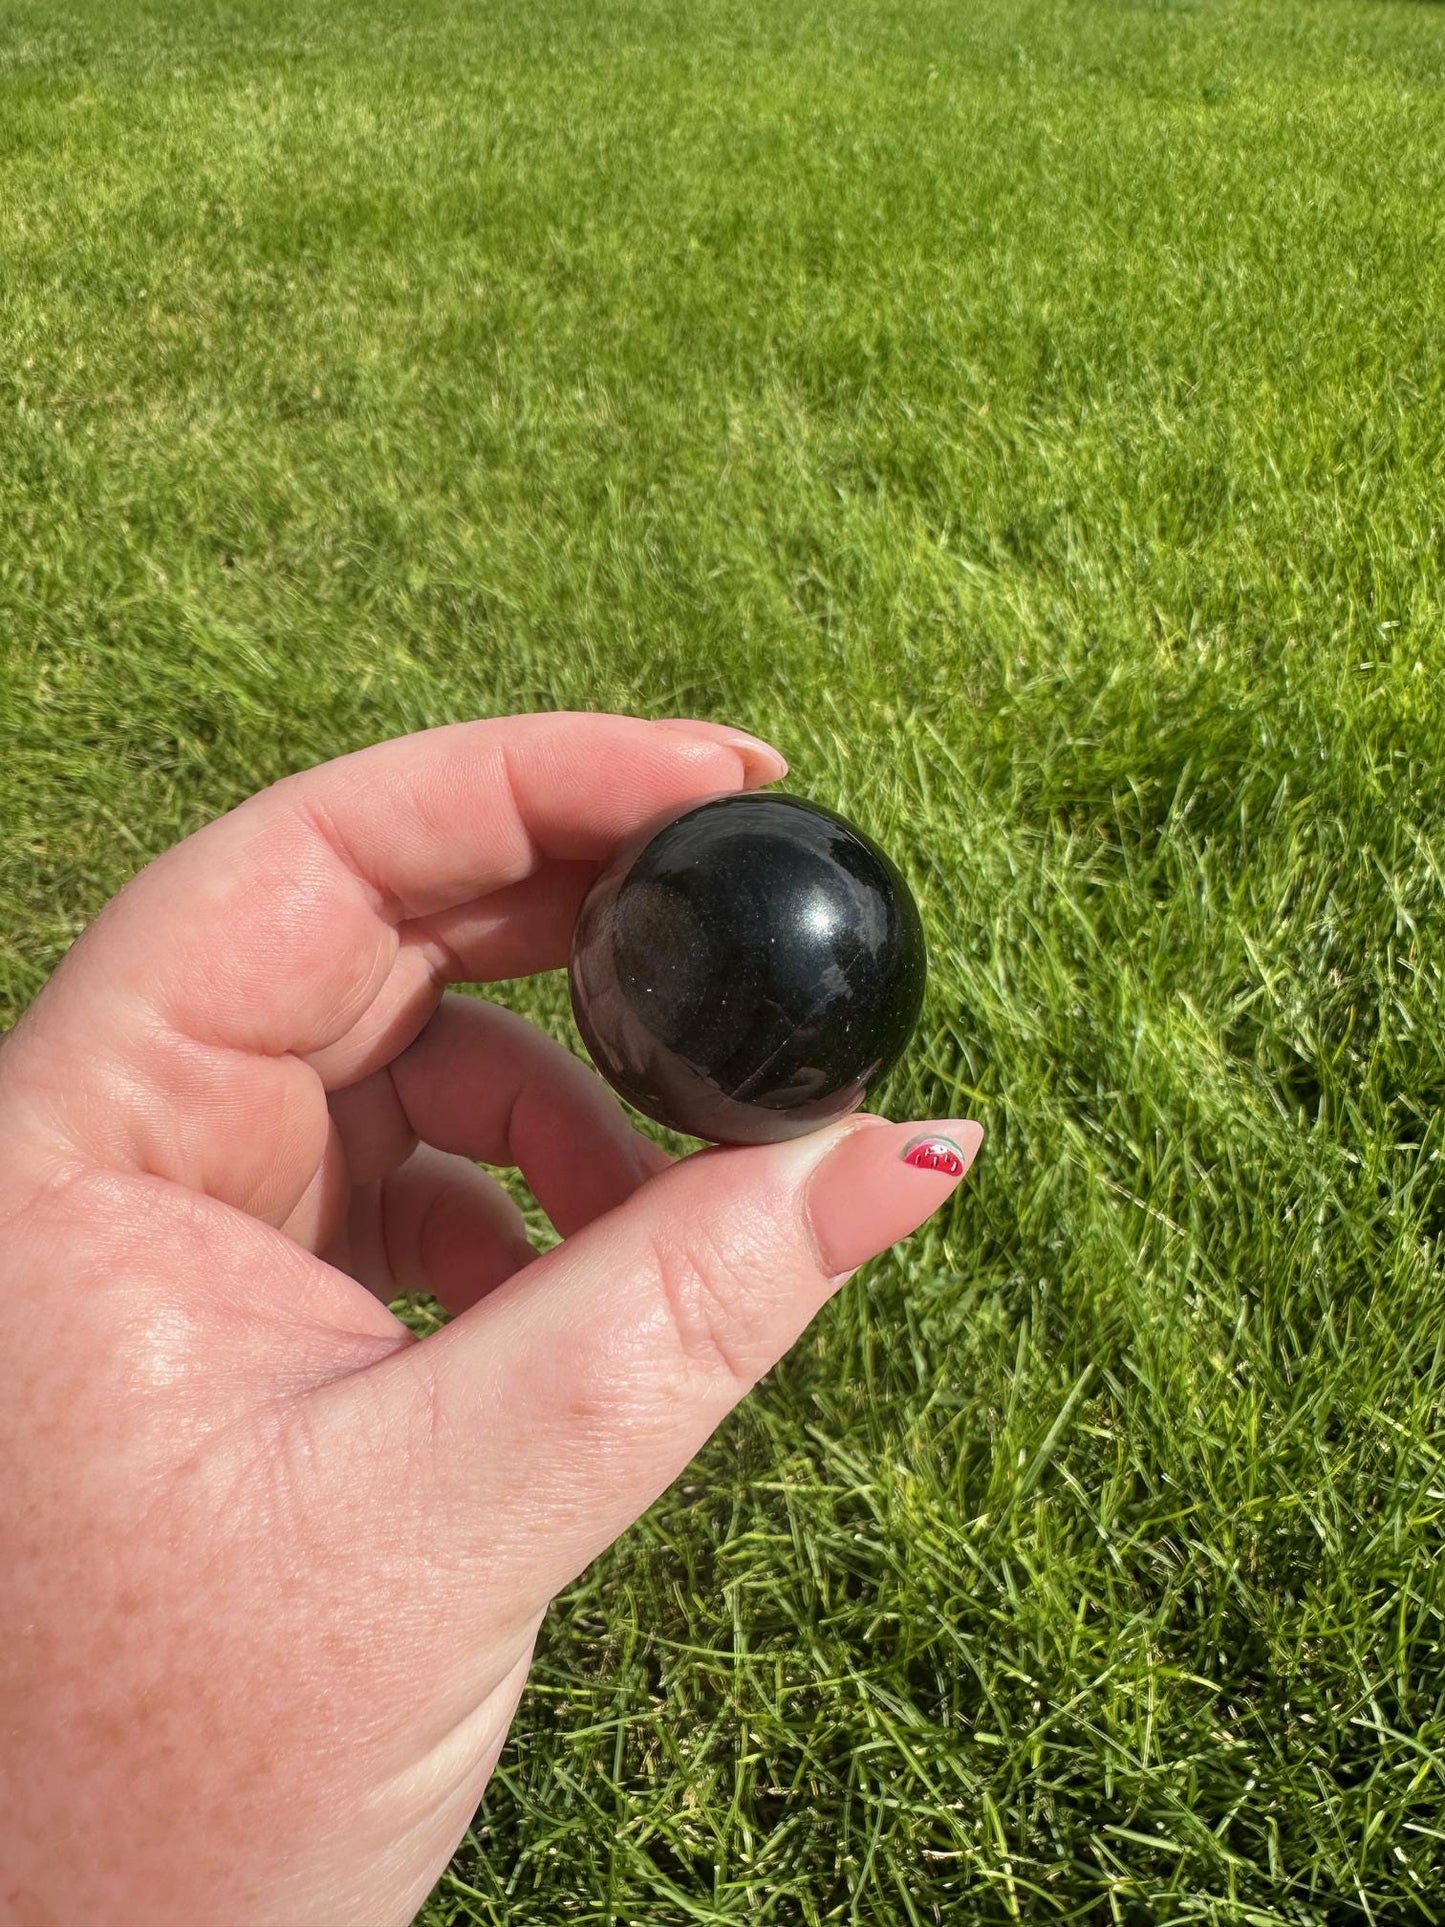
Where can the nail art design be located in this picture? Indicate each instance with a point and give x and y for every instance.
(934, 1154)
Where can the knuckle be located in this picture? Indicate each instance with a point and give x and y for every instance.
(711, 1300)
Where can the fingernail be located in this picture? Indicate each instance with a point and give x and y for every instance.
(881, 1182)
(763, 763)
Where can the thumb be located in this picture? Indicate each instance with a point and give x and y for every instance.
(557, 1409)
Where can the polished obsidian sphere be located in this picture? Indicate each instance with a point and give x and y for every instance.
(744, 971)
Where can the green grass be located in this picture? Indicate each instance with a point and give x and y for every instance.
(1031, 415)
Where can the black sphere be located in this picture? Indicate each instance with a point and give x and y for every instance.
(745, 970)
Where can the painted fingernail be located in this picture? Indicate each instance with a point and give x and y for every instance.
(763, 763)
(880, 1182)
(936, 1154)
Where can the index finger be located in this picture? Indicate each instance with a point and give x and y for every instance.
(174, 1026)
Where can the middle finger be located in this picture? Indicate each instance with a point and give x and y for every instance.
(484, 1083)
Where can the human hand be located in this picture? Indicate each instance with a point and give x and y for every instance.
(271, 1569)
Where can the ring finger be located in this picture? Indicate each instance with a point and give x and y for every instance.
(436, 1224)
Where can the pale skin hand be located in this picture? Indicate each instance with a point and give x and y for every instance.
(271, 1570)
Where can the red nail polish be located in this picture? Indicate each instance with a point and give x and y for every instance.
(935, 1154)
(860, 1202)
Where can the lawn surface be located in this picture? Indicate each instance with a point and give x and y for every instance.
(1031, 416)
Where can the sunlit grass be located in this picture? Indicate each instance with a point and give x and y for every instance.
(1031, 417)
